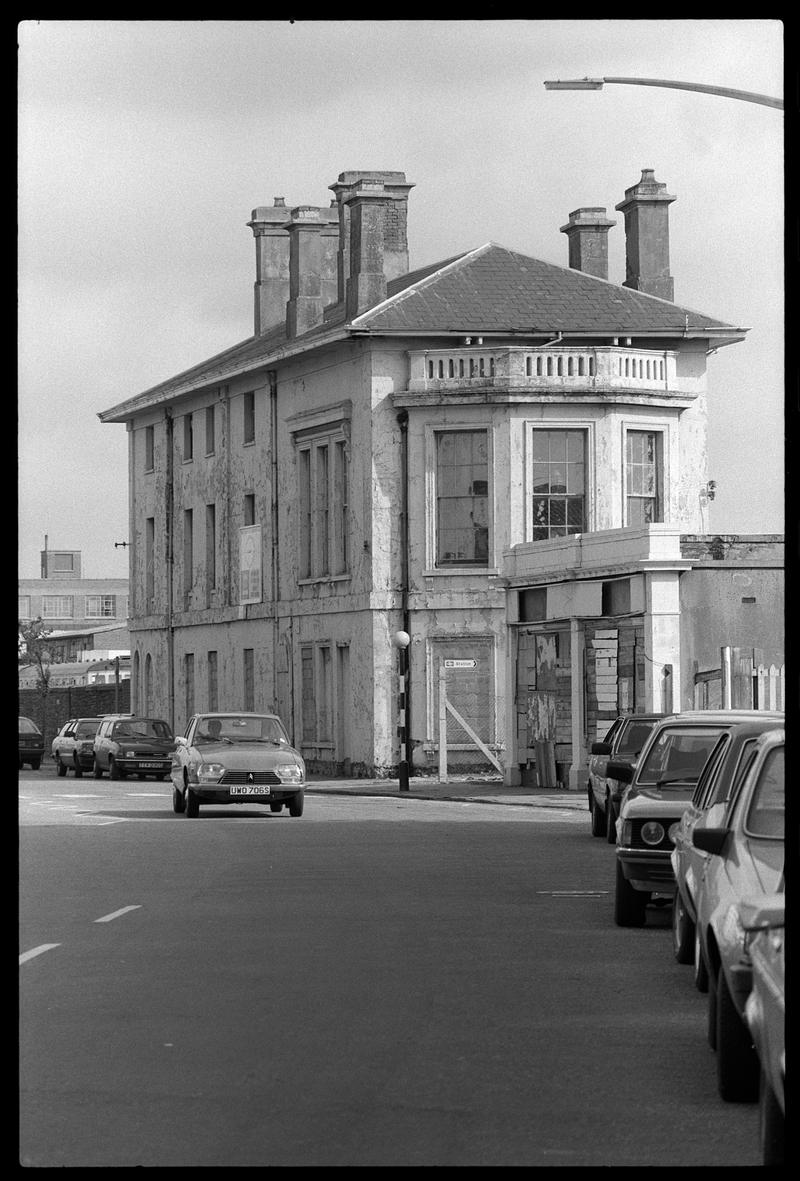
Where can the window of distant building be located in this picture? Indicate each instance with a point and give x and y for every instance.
(57, 607)
(211, 430)
(316, 689)
(643, 477)
(211, 547)
(249, 422)
(149, 448)
(23, 607)
(558, 504)
(249, 511)
(462, 510)
(188, 438)
(188, 676)
(101, 606)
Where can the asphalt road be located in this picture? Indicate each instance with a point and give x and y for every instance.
(381, 982)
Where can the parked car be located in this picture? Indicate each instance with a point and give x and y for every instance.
(31, 743)
(73, 746)
(719, 781)
(747, 860)
(623, 742)
(660, 787)
(130, 745)
(237, 758)
(765, 1012)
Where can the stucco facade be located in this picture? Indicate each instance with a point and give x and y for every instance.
(301, 498)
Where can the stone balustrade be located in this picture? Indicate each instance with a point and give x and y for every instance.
(550, 370)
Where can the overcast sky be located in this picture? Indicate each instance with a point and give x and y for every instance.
(145, 145)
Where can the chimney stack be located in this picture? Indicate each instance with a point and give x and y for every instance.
(396, 188)
(587, 233)
(271, 287)
(647, 237)
(304, 307)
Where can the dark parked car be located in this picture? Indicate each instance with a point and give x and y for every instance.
(31, 743)
(129, 745)
(747, 860)
(623, 742)
(73, 746)
(237, 758)
(660, 788)
(718, 783)
(765, 1012)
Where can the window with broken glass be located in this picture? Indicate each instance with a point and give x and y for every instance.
(462, 498)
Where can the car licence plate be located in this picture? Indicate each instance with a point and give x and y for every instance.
(250, 791)
(155, 766)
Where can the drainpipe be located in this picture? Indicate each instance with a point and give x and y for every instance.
(275, 582)
(170, 555)
(402, 419)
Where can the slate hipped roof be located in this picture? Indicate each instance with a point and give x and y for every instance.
(490, 290)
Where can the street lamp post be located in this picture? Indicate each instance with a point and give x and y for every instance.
(401, 642)
(597, 84)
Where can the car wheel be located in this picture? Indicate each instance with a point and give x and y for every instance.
(61, 768)
(178, 803)
(191, 805)
(700, 969)
(598, 820)
(682, 931)
(737, 1061)
(21, 764)
(611, 823)
(296, 804)
(114, 772)
(276, 807)
(36, 764)
(770, 1124)
(97, 770)
(78, 769)
(630, 906)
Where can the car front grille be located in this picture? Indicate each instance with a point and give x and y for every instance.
(246, 777)
(636, 833)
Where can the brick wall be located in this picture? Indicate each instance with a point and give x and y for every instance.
(75, 701)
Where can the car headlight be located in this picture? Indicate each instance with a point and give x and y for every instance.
(652, 832)
(210, 772)
(624, 831)
(289, 773)
(672, 831)
(130, 754)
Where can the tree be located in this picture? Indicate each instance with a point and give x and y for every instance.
(32, 649)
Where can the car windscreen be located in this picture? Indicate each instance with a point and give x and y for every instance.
(142, 728)
(767, 811)
(26, 726)
(677, 756)
(240, 728)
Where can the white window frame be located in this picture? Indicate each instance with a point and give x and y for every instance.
(588, 427)
(432, 430)
(93, 612)
(50, 601)
(662, 426)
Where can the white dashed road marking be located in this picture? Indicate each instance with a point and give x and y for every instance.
(107, 918)
(29, 955)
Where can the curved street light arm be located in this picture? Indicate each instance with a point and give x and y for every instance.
(747, 96)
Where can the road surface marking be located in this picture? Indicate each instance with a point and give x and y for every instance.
(116, 913)
(28, 955)
(574, 893)
(91, 796)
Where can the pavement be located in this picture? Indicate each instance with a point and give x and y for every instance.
(474, 791)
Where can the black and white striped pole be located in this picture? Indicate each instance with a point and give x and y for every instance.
(401, 642)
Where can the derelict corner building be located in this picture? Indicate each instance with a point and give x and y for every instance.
(503, 457)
